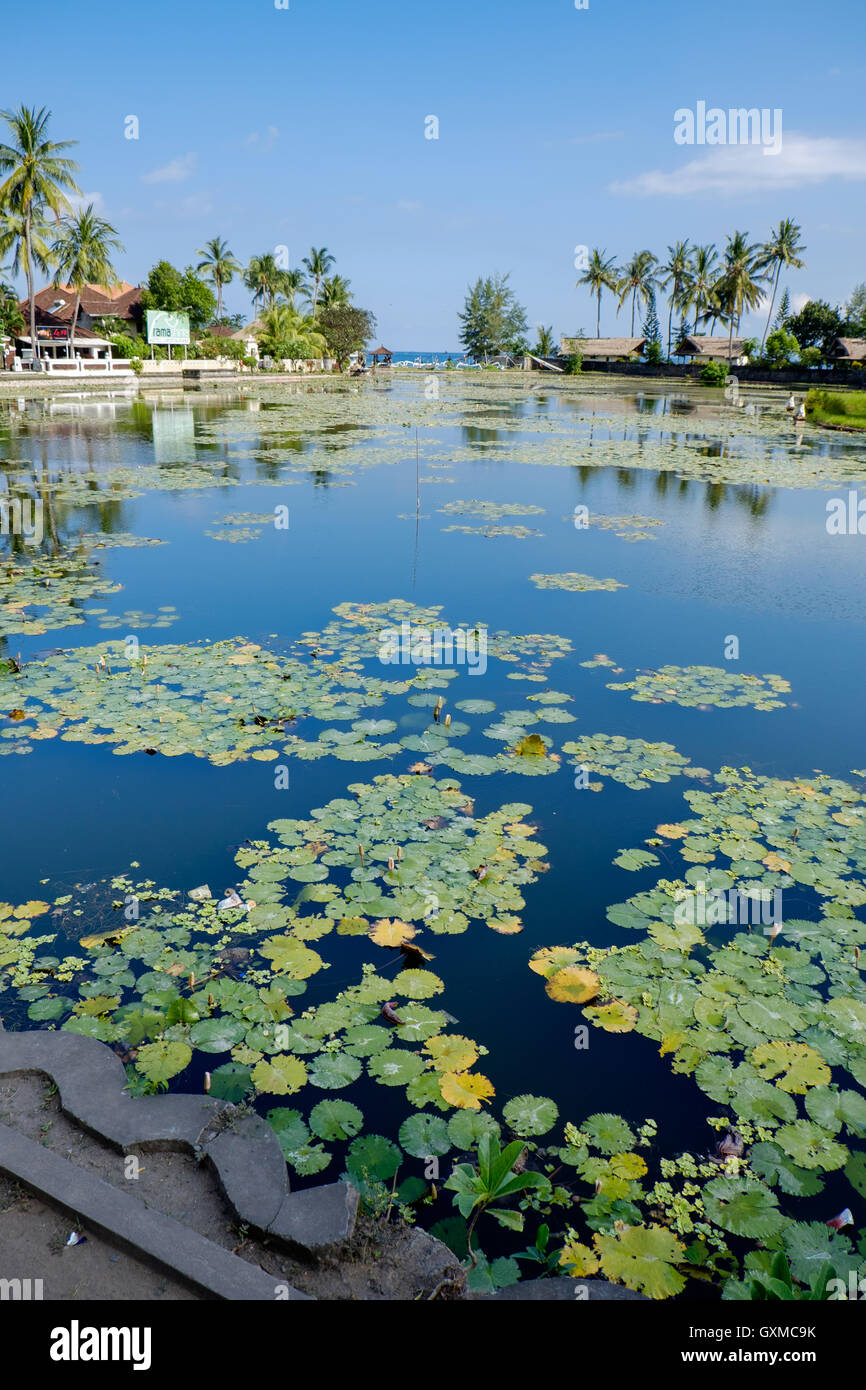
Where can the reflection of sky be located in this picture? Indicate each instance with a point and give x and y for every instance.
(173, 436)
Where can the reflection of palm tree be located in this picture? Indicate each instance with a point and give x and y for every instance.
(82, 255)
(600, 275)
(638, 280)
(39, 176)
(782, 248)
(220, 266)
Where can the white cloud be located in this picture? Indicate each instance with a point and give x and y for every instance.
(408, 205)
(78, 201)
(738, 169)
(177, 171)
(266, 141)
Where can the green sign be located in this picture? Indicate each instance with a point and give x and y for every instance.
(163, 326)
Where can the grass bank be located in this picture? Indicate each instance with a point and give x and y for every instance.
(842, 409)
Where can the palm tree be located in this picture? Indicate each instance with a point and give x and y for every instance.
(638, 280)
(676, 272)
(335, 292)
(39, 176)
(601, 275)
(286, 333)
(545, 342)
(82, 255)
(740, 285)
(13, 237)
(317, 265)
(219, 264)
(293, 282)
(704, 274)
(262, 277)
(782, 248)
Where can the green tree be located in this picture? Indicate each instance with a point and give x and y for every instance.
(545, 342)
(638, 279)
(33, 250)
(818, 324)
(651, 330)
(317, 265)
(676, 274)
(704, 274)
(286, 333)
(740, 285)
(601, 275)
(82, 255)
(179, 292)
(492, 319)
(292, 283)
(855, 311)
(335, 292)
(263, 278)
(219, 266)
(11, 317)
(782, 248)
(780, 347)
(39, 176)
(346, 330)
(784, 310)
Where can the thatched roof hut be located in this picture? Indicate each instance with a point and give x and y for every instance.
(611, 349)
(850, 350)
(708, 349)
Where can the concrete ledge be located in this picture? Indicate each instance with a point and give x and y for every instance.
(245, 1154)
(126, 1221)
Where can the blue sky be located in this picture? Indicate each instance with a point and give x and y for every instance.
(306, 126)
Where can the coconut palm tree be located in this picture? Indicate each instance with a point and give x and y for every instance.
(317, 265)
(219, 265)
(740, 285)
(335, 292)
(82, 255)
(704, 274)
(262, 278)
(601, 275)
(676, 273)
(13, 238)
(293, 282)
(39, 175)
(782, 248)
(286, 333)
(638, 280)
(545, 343)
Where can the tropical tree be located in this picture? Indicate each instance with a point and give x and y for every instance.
(291, 283)
(263, 278)
(347, 330)
(493, 320)
(335, 292)
(179, 292)
(676, 276)
(33, 251)
(39, 176)
(601, 275)
(703, 276)
(782, 248)
(545, 344)
(740, 285)
(638, 279)
(219, 265)
(11, 318)
(317, 265)
(286, 333)
(82, 255)
(784, 310)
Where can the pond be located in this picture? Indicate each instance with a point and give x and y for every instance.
(640, 590)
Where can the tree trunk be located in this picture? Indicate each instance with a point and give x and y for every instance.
(670, 317)
(598, 315)
(29, 242)
(75, 318)
(731, 338)
(772, 302)
(633, 297)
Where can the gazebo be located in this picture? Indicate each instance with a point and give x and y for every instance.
(385, 354)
